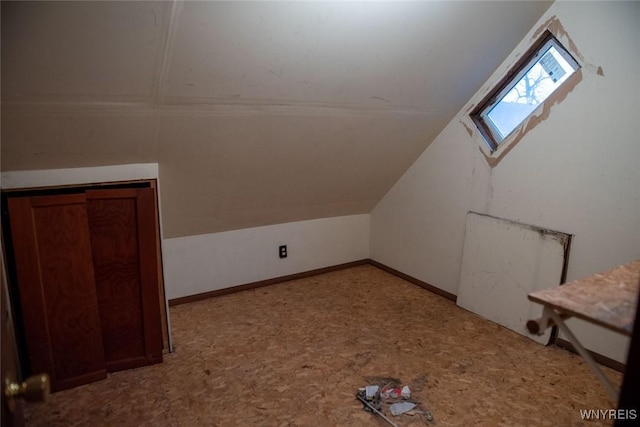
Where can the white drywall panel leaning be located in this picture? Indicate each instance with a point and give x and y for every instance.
(503, 261)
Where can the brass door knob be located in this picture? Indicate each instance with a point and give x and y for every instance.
(34, 389)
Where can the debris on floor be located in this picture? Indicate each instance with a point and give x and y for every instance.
(400, 408)
(370, 391)
(390, 397)
(405, 392)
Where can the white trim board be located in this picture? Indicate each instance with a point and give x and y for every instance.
(71, 176)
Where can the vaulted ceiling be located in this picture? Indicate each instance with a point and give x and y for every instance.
(257, 112)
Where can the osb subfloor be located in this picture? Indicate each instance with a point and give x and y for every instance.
(294, 354)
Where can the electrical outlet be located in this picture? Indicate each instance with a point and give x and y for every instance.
(283, 251)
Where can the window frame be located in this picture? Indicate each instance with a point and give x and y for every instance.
(479, 114)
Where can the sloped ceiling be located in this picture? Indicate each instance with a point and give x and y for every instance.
(257, 112)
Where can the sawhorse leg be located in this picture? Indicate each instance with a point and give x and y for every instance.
(550, 313)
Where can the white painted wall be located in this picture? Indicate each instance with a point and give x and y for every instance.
(202, 263)
(575, 172)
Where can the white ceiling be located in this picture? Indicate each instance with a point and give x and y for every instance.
(257, 112)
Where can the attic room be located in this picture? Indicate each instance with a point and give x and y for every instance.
(242, 213)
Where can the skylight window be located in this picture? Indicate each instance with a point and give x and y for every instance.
(528, 85)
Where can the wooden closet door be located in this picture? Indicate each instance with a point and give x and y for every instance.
(123, 226)
(57, 289)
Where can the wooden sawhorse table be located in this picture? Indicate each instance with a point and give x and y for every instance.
(607, 299)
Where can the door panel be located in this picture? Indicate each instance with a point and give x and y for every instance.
(57, 288)
(123, 244)
(149, 273)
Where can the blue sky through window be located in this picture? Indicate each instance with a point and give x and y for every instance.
(542, 78)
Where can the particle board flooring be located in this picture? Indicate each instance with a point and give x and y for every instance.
(294, 354)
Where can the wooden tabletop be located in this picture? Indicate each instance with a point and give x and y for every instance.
(608, 299)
